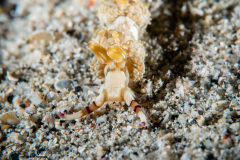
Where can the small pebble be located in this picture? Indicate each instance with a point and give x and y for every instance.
(235, 126)
(78, 89)
(102, 119)
(63, 84)
(5, 127)
(196, 12)
(237, 42)
(9, 118)
(220, 105)
(40, 36)
(10, 98)
(11, 77)
(1, 135)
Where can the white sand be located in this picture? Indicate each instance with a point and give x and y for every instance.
(190, 90)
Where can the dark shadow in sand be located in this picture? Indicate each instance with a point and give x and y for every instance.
(172, 58)
(175, 60)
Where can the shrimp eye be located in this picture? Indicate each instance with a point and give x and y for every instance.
(114, 34)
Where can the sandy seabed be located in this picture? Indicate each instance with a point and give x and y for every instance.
(190, 89)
